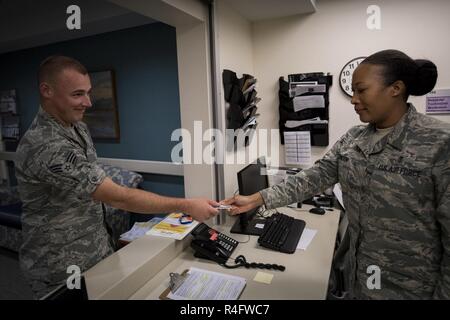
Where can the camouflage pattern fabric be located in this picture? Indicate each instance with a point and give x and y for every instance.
(397, 198)
(62, 225)
(8, 195)
(10, 238)
(119, 220)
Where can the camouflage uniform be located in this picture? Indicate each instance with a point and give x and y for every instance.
(397, 197)
(62, 225)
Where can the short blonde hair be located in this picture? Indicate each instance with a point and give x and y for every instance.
(52, 66)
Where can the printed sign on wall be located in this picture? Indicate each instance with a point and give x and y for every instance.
(438, 101)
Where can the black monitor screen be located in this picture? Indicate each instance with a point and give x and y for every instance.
(251, 179)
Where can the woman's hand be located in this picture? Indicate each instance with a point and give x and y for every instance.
(242, 204)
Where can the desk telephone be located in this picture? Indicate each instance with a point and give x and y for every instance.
(214, 245)
(211, 244)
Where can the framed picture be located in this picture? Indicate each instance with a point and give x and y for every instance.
(103, 118)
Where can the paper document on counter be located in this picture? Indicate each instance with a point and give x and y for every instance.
(306, 238)
(139, 229)
(208, 285)
(171, 227)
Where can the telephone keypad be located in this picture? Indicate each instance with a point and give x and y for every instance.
(205, 232)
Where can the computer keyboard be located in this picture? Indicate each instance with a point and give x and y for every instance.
(281, 233)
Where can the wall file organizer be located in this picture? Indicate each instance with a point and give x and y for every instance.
(241, 95)
(304, 105)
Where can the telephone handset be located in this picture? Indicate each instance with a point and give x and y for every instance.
(211, 244)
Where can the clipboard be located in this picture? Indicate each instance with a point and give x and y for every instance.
(235, 284)
(165, 293)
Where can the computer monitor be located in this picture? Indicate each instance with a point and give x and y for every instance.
(251, 179)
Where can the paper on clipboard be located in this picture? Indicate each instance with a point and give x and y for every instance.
(171, 227)
(201, 284)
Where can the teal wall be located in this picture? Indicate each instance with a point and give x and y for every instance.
(144, 60)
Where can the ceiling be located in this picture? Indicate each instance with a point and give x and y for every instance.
(30, 23)
(255, 10)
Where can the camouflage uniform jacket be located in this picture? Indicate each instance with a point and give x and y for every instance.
(397, 197)
(62, 225)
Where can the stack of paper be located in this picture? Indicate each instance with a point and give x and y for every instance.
(139, 229)
(308, 102)
(302, 88)
(250, 122)
(298, 123)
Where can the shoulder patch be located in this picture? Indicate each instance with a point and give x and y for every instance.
(67, 167)
(71, 157)
(66, 164)
(57, 168)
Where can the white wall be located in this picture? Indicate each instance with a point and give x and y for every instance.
(235, 52)
(326, 40)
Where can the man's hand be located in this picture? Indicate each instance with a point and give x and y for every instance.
(242, 204)
(200, 209)
(140, 201)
